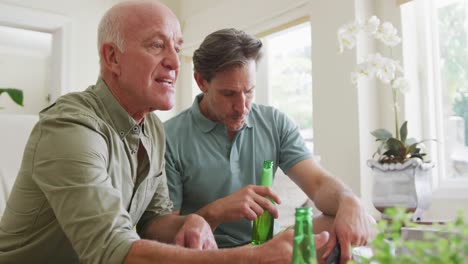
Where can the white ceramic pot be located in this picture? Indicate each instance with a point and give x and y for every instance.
(406, 184)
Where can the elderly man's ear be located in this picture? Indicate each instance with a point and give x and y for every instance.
(110, 56)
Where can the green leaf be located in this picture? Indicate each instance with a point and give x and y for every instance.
(15, 94)
(381, 134)
(395, 145)
(380, 149)
(410, 141)
(404, 131)
(413, 148)
(396, 151)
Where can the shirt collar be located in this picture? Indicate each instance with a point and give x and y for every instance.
(206, 124)
(249, 122)
(118, 117)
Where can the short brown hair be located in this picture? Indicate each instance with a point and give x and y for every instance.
(224, 49)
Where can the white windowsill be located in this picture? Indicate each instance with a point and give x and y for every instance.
(452, 189)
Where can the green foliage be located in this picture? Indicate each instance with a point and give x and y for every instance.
(290, 76)
(15, 94)
(453, 42)
(449, 245)
(460, 108)
(394, 150)
(452, 19)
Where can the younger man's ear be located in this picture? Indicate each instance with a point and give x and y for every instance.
(202, 83)
(110, 57)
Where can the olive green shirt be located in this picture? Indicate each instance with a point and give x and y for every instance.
(80, 190)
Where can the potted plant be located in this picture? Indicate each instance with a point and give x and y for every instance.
(401, 176)
(439, 243)
(15, 95)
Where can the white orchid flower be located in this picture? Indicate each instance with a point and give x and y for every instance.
(355, 76)
(374, 65)
(388, 34)
(401, 84)
(347, 36)
(386, 72)
(365, 69)
(371, 25)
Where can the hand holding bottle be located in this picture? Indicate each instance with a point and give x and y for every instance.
(263, 226)
(248, 202)
(279, 249)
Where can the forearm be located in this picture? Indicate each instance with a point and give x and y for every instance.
(328, 199)
(209, 213)
(326, 191)
(171, 223)
(328, 202)
(146, 251)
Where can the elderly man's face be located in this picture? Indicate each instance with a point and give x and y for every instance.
(228, 96)
(149, 61)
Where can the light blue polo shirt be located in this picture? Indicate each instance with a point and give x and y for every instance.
(203, 165)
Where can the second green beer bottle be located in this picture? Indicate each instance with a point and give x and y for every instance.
(263, 225)
(304, 247)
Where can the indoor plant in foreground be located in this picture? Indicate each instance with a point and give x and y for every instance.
(15, 95)
(401, 176)
(445, 243)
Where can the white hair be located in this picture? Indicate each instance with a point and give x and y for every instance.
(110, 29)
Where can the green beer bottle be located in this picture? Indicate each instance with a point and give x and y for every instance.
(304, 247)
(263, 225)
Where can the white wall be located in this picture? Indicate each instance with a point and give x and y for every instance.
(84, 15)
(26, 72)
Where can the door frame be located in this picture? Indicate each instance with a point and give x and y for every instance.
(57, 25)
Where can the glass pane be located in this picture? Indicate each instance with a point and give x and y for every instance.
(290, 75)
(289, 67)
(453, 49)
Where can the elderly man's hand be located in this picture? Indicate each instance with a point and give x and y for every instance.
(352, 227)
(280, 248)
(195, 233)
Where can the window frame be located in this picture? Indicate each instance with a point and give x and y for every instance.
(423, 105)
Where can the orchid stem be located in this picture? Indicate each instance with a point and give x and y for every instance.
(395, 109)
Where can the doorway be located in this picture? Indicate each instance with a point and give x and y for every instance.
(25, 64)
(34, 55)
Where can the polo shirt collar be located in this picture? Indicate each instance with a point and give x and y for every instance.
(249, 122)
(118, 117)
(206, 125)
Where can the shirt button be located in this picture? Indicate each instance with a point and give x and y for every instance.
(121, 133)
(136, 129)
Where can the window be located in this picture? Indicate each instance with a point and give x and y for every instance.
(452, 21)
(287, 59)
(284, 80)
(440, 51)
